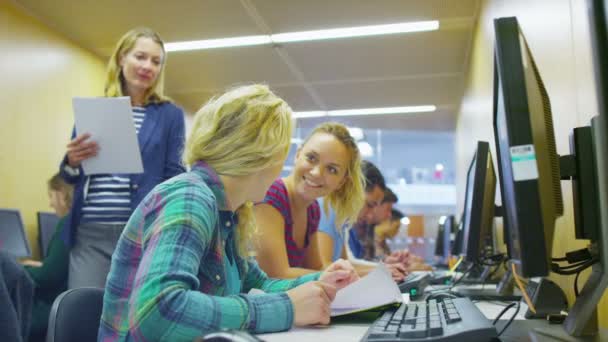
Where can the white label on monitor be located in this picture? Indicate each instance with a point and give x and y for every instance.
(523, 162)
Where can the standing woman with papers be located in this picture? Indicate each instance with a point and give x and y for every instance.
(103, 203)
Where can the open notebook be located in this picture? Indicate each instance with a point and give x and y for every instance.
(375, 290)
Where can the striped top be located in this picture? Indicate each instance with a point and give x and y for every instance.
(108, 196)
(278, 197)
(169, 279)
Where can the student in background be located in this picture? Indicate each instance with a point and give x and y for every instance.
(332, 234)
(386, 229)
(181, 268)
(327, 165)
(103, 203)
(51, 275)
(362, 236)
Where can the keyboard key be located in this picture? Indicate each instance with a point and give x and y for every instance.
(409, 331)
(435, 328)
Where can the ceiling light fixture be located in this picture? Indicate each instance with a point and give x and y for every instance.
(383, 110)
(359, 31)
(366, 111)
(290, 37)
(217, 43)
(310, 114)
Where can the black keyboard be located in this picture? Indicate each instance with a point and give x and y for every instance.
(446, 320)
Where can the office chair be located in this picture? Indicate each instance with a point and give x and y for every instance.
(75, 315)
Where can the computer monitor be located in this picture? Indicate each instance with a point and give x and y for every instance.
(477, 239)
(47, 223)
(442, 243)
(12, 234)
(582, 317)
(531, 169)
(458, 234)
(526, 151)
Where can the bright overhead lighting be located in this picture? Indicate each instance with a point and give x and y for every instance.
(359, 31)
(366, 111)
(289, 37)
(217, 43)
(384, 110)
(310, 114)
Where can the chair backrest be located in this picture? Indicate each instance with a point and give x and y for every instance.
(75, 315)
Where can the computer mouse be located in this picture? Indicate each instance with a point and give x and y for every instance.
(230, 336)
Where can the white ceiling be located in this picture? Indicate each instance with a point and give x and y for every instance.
(380, 71)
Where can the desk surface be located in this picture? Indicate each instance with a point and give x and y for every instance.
(349, 331)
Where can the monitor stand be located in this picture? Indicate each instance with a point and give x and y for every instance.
(480, 274)
(582, 317)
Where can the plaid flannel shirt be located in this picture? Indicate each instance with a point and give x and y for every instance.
(167, 279)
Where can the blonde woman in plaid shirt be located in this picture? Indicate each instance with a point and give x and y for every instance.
(181, 269)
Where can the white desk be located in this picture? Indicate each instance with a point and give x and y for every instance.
(520, 330)
(349, 332)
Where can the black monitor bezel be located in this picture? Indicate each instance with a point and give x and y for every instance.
(473, 232)
(526, 233)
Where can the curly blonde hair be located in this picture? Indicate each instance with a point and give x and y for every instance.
(244, 131)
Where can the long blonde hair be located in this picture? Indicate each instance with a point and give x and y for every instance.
(348, 199)
(244, 131)
(115, 81)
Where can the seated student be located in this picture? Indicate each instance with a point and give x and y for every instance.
(51, 275)
(332, 234)
(181, 267)
(386, 229)
(326, 165)
(361, 236)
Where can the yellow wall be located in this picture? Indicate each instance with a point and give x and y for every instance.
(40, 72)
(558, 36)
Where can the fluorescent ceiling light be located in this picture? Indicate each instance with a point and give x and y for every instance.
(289, 37)
(366, 111)
(217, 43)
(384, 110)
(360, 31)
(310, 114)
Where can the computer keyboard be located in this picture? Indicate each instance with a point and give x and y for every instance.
(446, 320)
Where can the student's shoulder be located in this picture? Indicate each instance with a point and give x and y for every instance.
(190, 189)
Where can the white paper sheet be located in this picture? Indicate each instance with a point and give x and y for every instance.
(109, 120)
(376, 289)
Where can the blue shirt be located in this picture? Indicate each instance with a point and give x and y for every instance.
(327, 225)
(354, 244)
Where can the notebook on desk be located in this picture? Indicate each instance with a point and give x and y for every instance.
(375, 291)
(12, 234)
